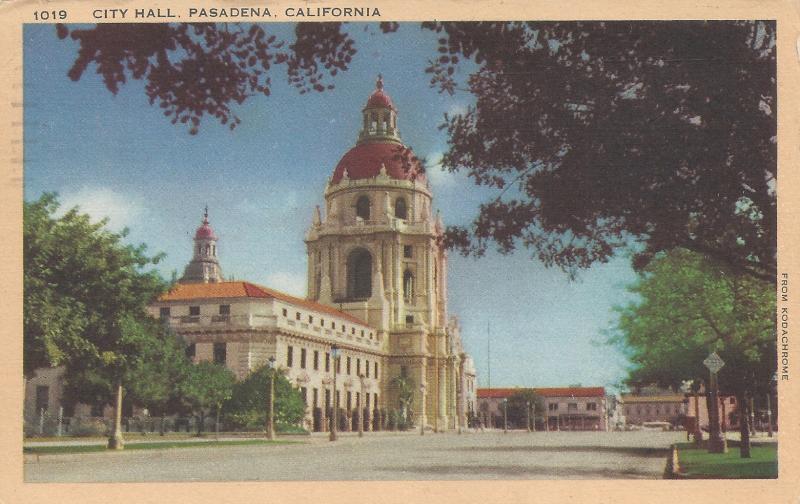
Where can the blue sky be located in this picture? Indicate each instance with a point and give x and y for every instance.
(117, 156)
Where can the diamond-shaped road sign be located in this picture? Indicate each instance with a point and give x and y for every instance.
(713, 362)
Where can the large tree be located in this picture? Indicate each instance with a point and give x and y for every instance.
(688, 306)
(596, 135)
(85, 294)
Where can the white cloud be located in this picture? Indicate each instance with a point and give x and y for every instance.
(290, 283)
(439, 177)
(100, 202)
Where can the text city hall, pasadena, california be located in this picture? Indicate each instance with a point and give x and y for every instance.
(235, 12)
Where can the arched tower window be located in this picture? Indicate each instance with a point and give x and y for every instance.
(408, 285)
(400, 209)
(362, 207)
(359, 274)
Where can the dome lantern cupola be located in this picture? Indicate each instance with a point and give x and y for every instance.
(204, 266)
(379, 117)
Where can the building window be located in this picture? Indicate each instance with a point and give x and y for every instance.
(42, 398)
(322, 322)
(359, 274)
(362, 207)
(191, 349)
(362, 333)
(409, 320)
(400, 208)
(289, 356)
(163, 313)
(591, 406)
(375, 400)
(315, 395)
(310, 319)
(358, 367)
(408, 251)
(376, 370)
(327, 362)
(366, 368)
(220, 353)
(297, 316)
(408, 285)
(302, 358)
(348, 365)
(333, 325)
(304, 395)
(194, 311)
(285, 313)
(224, 309)
(349, 400)
(316, 360)
(552, 406)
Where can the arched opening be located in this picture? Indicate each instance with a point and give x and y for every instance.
(408, 285)
(362, 207)
(400, 208)
(359, 274)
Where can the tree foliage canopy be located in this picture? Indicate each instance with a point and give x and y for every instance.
(85, 292)
(597, 135)
(690, 306)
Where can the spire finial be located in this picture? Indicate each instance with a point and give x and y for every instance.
(205, 215)
(379, 82)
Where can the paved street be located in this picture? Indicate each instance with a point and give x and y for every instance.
(487, 455)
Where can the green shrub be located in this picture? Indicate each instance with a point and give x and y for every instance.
(85, 427)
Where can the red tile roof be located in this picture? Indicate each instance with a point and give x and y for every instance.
(185, 292)
(499, 393)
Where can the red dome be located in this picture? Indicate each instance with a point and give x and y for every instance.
(204, 232)
(365, 160)
(379, 99)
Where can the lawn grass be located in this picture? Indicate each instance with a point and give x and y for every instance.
(65, 449)
(698, 463)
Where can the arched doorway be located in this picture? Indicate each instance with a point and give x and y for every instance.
(359, 274)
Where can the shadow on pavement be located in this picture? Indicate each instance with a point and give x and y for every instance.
(499, 472)
(624, 450)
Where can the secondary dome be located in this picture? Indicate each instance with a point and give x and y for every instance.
(366, 160)
(205, 232)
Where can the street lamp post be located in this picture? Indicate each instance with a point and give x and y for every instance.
(505, 416)
(528, 414)
(422, 410)
(361, 407)
(335, 415)
(271, 400)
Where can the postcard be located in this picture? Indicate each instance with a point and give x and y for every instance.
(373, 252)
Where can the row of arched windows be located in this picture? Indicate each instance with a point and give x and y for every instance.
(359, 276)
(363, 206)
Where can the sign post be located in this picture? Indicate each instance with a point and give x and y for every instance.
(716, 442)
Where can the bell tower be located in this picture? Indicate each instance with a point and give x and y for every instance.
(375, 253)
(204, 266)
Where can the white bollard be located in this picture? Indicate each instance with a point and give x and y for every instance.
(41, 421)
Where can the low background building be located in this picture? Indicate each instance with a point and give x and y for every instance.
(565, 408)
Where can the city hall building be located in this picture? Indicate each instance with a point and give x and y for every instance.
(376, 290)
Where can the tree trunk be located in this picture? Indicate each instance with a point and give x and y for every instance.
(162, 426)
(115, 441)
(744, 427)
(216, 425)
